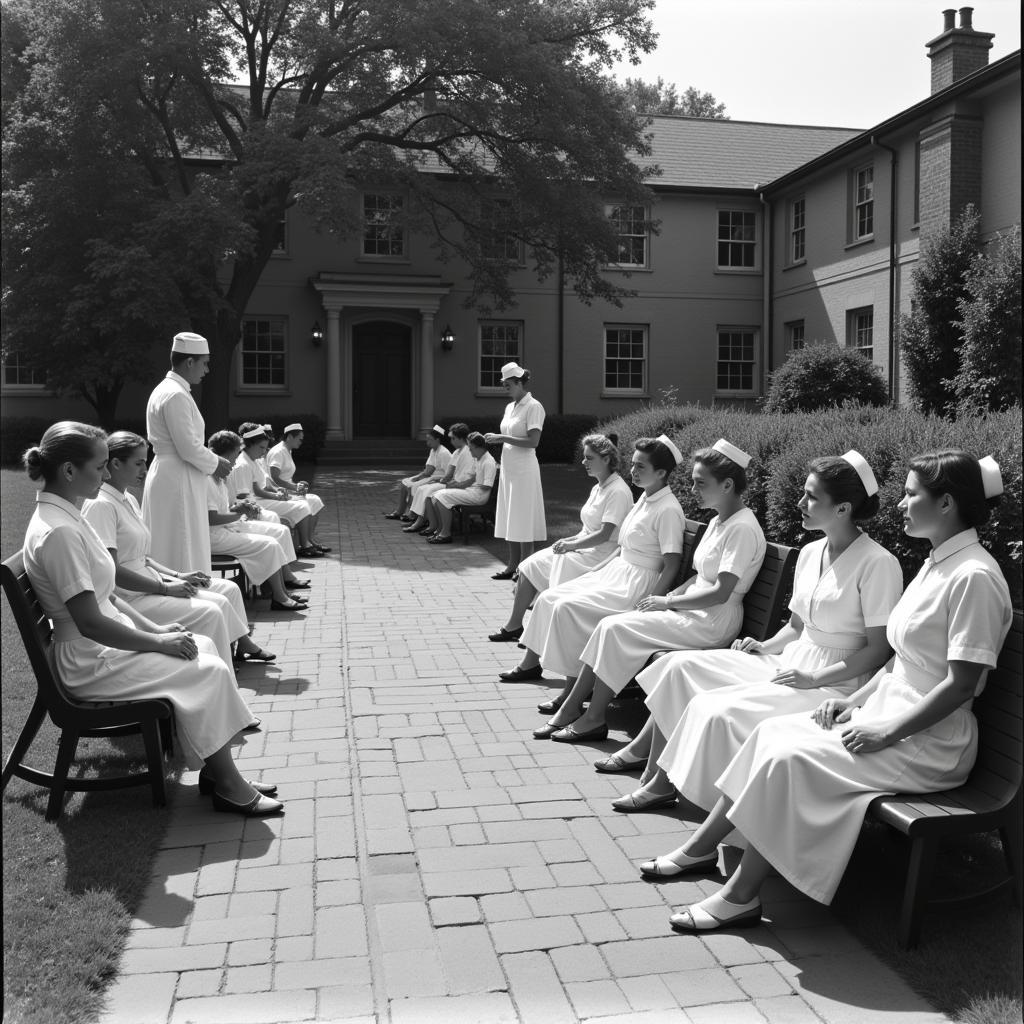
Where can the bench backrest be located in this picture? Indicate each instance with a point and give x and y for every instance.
(764, 605)
(691, 538)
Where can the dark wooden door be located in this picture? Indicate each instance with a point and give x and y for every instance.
(381, 380)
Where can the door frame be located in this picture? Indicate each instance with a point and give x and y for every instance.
(392, 316)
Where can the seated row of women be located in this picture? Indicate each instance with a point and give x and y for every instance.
(126, 628)
(747, 733)
(463, 477)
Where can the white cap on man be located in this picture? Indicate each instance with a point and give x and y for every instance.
(188, 344)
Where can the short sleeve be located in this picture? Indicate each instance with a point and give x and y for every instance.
(443, 459)
(979, 616)
(490, 468)
(102, 517)
(881, 587)
(740, 547)
(535, 416)
(64, 558)
(276, 457)
(616, 506)
(212, 502)
(669, 528)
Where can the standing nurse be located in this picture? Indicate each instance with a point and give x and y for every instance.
(520, 515)
(174, 499)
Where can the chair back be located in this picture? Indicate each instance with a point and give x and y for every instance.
(33, 625)
(764, 604)
(692, 533)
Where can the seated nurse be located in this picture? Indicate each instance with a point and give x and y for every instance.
(844, 589)
(705, 611)
(799, 787)
(280, 465)
(105, 650)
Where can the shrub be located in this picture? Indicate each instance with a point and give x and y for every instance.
(781, 445)
(823, 376)
(990, 323)
(20, 432)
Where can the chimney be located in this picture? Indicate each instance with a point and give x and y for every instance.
(958, 51)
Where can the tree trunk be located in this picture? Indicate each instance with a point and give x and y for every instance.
(215, 397)
(104, 398)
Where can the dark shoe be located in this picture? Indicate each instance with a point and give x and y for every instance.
(295, 606)
(549, 707)
(545, 731)
(506, 636)
(617, 763)
(392, 515)
(320, 548)
(570, 735)
(405, 518)
(521, 675)
(427, 531)
(258, 655)
(297, 584)
(309, 552)
(259, 806)
(438, 539)
(411, 528)
(207, 786)
(505, 574)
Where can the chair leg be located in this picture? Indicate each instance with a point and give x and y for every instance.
(155, 760)
(1010, 835)
(919, 873)
(65, 755)
(28, 734)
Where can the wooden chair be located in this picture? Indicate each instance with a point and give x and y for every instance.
(462, 515)
(151, 718)
(226, 565)
(989, 800)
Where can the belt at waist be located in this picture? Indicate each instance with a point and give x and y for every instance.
(913, 676)
(642, 561)
(838, 641)
(139, 565)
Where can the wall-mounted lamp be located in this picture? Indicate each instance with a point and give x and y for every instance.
(316, 335)
(448, 338)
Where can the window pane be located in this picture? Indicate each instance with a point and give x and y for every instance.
(625, 358)
(264, 362)
(500, 343)
(735, 369)
(737, 238)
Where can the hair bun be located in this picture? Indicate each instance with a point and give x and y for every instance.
(614, 438)
(33, 462)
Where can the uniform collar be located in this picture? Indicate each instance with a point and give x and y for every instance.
(179, 380)
(956, 543)
(46, 498)
(114, 493)
(658, 495)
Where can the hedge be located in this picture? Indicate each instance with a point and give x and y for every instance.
(558, 440)
(783, 444)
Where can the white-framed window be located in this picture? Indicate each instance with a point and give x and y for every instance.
(630, 225)
(737, 239)
(499, 241)
(501, 342)
(863, 203)
(625, 359)
(737, 360)
(17, 376)
(797, 231)
(860, 331)
(794, 335)
(263, 360)
(383, 224)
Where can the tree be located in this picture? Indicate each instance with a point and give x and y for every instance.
(930, 336)
(451, 103)
(661, 97)
(824, 376)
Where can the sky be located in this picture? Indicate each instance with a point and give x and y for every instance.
(842, 63)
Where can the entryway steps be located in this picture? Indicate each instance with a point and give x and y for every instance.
(373, 451)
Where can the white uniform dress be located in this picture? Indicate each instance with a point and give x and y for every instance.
(174, 499)
(565, 616)
(484, 471)
(520, 514)
(608, 502)
(259, 547)
(280, 458)
(799, 797)
(439, 459)
(64, 558)
(725, 694)
(216, 611)
(621, 644)
(461, 465)
(248, 474)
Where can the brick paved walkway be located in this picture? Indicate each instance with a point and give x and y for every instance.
(436, 864)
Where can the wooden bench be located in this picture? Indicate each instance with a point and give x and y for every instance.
(226, 565)
(989, 800)
(462, 515)
(152, 718)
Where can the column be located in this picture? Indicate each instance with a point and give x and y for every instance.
(334, 427)
(426, 372)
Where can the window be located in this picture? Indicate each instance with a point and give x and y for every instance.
(630, 224)
(18, 375)
(383, 224)
(281, 236)
(737, 239)
(501, 342)
(264, 347)
(917, 183)
(860, 331)
(795, 335)
(736, 347)
(864, 203)
(797, 236)
(498, 239)
(625, 358)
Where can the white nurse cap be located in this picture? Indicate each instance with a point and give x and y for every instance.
(991, 477)
(190, 344)
(730, 451)
(292, 428)
(864, 471)
(511, 370)
(255, 432)
(670, 445)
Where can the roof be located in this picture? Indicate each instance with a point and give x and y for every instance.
(704, 153)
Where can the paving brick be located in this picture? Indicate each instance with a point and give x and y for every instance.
(786, 1010)
(536, 989)
(575, 873)
(232, 929)
(644, 922)
(251, 1008)
(338, 892)
(703, 985)
(648, 992)
(455, 910)
(725, 1013)
(488, 1008)
(296, 914)
(404, 926)
(250, 951)
(142, 999)
(469, 961)
(600, 927)
(340, 932)
(597, 998)
(655, 956)
(287, 876)
(293, 947)
(535, 933)
(574, 900)
(248, 979)
(313, 974)
(174, 958)
(194, 983)
(413, 973)
(494, 855)
(761, 980)
(579, 963)
(344, 1002)
(466, 883)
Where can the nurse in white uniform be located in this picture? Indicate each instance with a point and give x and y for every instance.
(647, 561)
(474, 490)
(105, 650)
(844, 590)
(460, 467)
(800, 786)
(174, 501)
(206, 605)
(280, 464)
(520, 515)
(705, 611)
(438, 460)
(602, 514)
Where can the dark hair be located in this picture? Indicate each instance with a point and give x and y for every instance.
(841, 482)
(956, 473)
(177, 358)
(245, 428)
(658, 452)
(460, 430)
(523, 378)
(122, 443)
(66, 441)
(606, 445)
(292, 433)
(476, 439)
(721, 467)
(223, 441)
